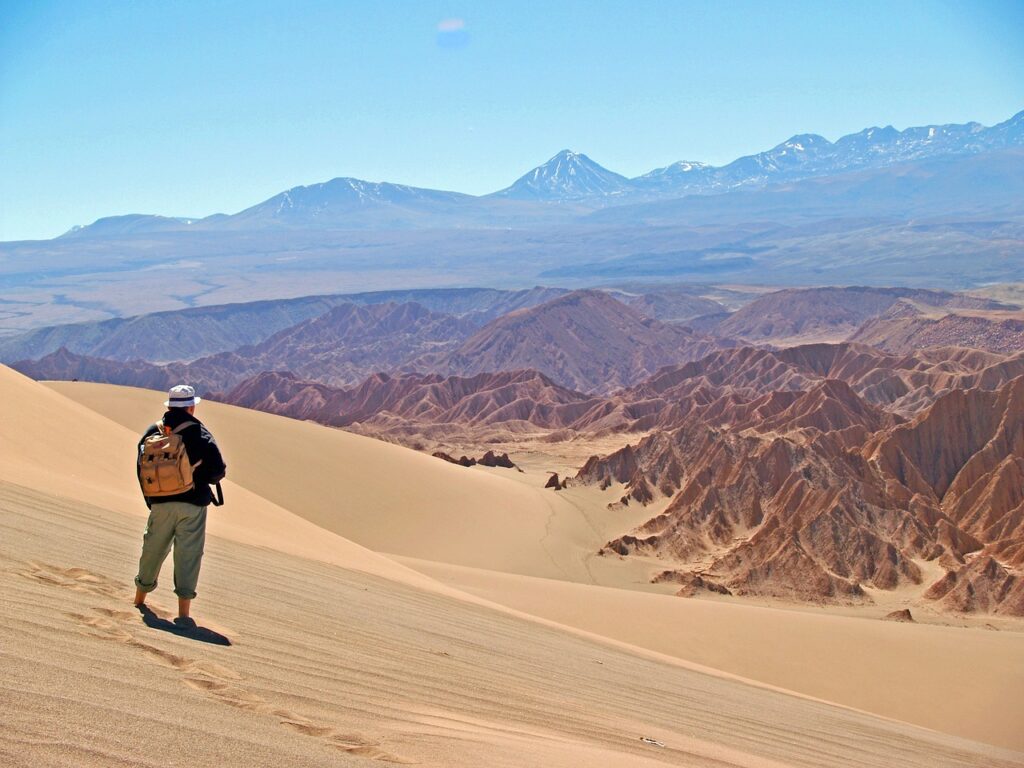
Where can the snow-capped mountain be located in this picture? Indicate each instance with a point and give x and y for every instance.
(791, 159)
(130, 224)
(346, 203)
(566, 176)
(336, 199)
(685, 176)
(808, 155)
(574, 176)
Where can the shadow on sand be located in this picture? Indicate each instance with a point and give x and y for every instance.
(182, 628)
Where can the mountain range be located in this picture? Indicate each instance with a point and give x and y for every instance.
(589, 341)
(821, 472)
(935, 207)
(572, 177)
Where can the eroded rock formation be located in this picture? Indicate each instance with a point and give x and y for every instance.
(823, 495)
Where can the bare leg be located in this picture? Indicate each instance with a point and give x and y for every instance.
(140, 597)
(183, 607)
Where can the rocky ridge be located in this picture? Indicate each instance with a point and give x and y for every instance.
(903, 329)
(585, 340)
(842, 500)
(832, 314)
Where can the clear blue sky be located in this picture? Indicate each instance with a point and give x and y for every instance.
(190, 108)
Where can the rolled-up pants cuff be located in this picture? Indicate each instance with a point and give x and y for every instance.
(144, 587)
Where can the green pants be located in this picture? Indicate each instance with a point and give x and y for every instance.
(184, 525)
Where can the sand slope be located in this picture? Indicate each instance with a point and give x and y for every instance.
(330, 663)
(332, 666)
(952, 679)
(967, 682)
(384, 497)
(61, 448)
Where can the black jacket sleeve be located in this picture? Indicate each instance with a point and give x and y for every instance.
(204, 447)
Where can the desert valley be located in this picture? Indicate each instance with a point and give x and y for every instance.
(718, 466)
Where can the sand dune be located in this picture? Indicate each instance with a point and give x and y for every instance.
(58, 447)
(384, 497)
(332, 665)
(947, 678)
(555, 536)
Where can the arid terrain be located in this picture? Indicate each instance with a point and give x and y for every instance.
(842, 446)
(804, 502)
(491, 585)
(600, 385)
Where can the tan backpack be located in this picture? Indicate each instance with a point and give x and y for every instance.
(164, 468)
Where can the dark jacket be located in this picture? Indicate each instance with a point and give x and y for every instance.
(200, 446)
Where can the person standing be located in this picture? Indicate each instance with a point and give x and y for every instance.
(177, 496)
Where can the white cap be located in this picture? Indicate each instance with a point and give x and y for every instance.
(182, 396)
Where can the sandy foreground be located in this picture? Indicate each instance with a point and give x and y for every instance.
(340, 654)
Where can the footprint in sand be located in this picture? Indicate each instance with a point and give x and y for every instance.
(309, 729)
(231, 695)
(76, 579)
(122, 616)
(97, 626)
(357, 746)
(235, 696)
(164, 657)
(203, 676)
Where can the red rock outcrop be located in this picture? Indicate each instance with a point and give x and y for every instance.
(984, 585)
(903, 615)
(823, 494)
(554, 482)
(489, 459)
(691, 583)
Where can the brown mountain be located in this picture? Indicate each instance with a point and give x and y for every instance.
(63, 365)
(670, 305)
(585, 340)
(343, 346)
(807, 315)
(966, 455)
(904, 329)
(824, 495)
(742, 388)
(340, 347)
(508, 397)
(727, 383)
(900, 383)
(188, 334)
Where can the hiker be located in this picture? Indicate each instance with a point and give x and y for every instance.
(178, 461)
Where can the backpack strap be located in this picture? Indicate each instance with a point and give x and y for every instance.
(181, 427)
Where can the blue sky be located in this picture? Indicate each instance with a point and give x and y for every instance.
(190, 108)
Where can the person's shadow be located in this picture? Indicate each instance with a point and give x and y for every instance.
(182, 628)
